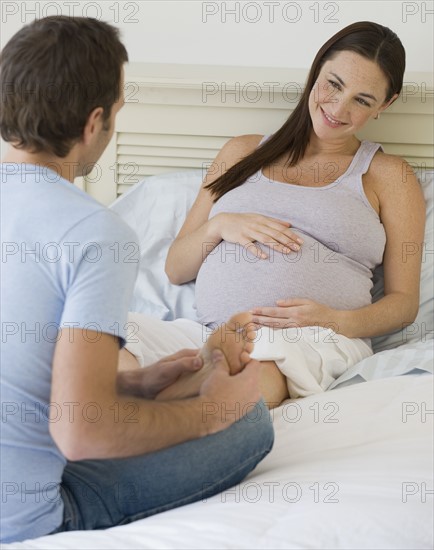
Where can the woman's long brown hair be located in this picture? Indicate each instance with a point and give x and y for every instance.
(370, 40)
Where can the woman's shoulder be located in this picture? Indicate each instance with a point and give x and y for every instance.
(385, 166)
(239, 147)
(390, 173)
(230, 154)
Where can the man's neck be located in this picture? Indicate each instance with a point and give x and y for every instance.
(66, 167)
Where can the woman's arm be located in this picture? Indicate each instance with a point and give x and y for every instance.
(198, 236)
(402, 212)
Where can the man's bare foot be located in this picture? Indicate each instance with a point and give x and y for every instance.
(235, 338)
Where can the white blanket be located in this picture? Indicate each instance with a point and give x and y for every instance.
(350, 469)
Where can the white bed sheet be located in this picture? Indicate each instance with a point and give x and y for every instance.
(358, 445)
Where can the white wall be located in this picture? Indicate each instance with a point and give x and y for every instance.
(246, 33)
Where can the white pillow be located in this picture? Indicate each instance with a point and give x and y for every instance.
(413, 358)
(156, 208)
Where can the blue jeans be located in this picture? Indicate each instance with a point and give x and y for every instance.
(98, 494)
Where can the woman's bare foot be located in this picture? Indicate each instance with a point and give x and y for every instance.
(235, 338)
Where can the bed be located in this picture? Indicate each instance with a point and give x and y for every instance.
(351, 468)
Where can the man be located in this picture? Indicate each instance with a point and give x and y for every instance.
(85, 446)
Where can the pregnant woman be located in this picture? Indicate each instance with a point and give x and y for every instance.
(290, 226)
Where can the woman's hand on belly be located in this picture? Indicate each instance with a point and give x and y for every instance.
(246, 229)
(296, 312)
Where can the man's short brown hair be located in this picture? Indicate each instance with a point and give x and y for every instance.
(53, 73)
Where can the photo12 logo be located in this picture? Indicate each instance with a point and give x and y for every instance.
(416, 411)
(420, 10)
(412, 489)
(272, 491)
(117, 12)
(254, 12)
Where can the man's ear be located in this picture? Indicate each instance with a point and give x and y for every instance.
(93, 125)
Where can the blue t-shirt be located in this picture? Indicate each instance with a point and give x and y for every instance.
(67, 261)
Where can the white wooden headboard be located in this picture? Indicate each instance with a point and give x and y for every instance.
(177, 117)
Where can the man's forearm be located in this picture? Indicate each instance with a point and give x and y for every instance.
(129, 426)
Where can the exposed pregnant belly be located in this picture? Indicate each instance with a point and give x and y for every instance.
(232, 279)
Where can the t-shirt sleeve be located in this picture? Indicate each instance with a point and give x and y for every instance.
(98, 274)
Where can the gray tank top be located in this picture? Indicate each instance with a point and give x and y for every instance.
(343, 236)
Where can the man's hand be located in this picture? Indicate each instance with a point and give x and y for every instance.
(225, 398)
(149, 381)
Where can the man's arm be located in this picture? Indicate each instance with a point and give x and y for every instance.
(90, 419)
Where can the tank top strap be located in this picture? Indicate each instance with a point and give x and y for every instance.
(363, 158)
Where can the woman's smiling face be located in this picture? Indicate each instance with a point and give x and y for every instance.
(350, 90)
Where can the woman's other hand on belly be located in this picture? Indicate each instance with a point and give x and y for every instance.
(296, 312)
